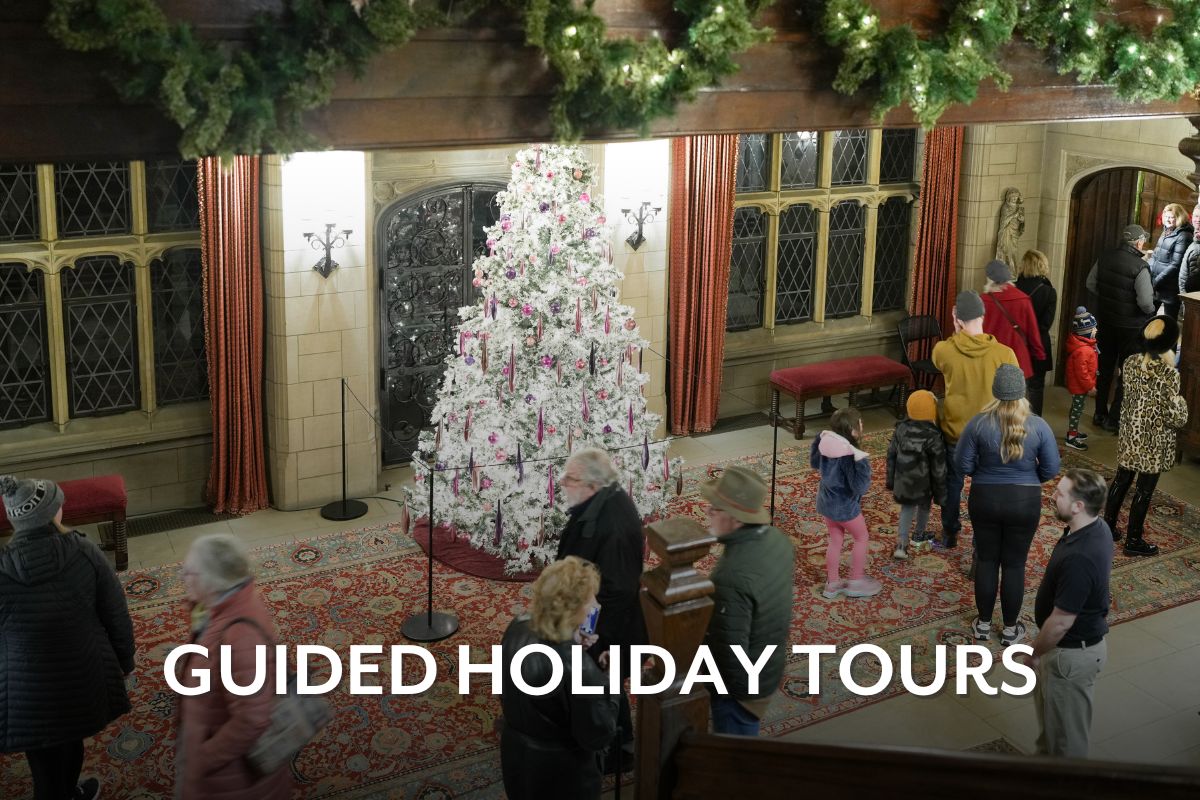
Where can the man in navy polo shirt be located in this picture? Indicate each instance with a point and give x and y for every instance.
(1071, 612)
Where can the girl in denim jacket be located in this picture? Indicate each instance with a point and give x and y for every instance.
(845, 478)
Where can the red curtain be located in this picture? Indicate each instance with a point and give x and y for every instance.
(231, 252)
(703, 171)
(934, 275)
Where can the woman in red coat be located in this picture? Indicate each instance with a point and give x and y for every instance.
(218, 729)
(1008, 315)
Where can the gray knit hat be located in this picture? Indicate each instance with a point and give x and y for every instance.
(30, 503)
(998, 272)
(968, 305)
(1009, 383)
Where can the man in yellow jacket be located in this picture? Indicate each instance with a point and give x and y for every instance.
(968, 361)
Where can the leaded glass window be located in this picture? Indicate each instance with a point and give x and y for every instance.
(898, 154)
(24, 362)
(18, 203)
(847, 237)
(172, 202)
(800, 159)
(754, 162)
(180, 367)
(747, 269)
(101, 320)
(797, 263)
(849, 157)
(891, 254)
(93, 198)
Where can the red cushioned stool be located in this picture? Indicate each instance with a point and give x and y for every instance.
(844, 375)
(99, 499)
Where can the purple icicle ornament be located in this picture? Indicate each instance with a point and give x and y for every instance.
(666, 467)
(467, 427)
(541, 427)
(512, 366)
(483, 355)
(520, 466)
(499, 525)
(631, 418)
(607, 321)
(578, 315)
(620, 371)
(645, 452)
(550, 484)
(592, 359)
(454, 483)
(586, 412)
(641, 352)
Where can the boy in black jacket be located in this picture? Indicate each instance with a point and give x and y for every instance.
(916, 467)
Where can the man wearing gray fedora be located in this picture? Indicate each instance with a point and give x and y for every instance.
(754, 582)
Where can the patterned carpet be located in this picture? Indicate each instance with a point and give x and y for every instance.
(359, 586)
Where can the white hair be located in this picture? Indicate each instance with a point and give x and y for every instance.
(220, 561)
(595, 467)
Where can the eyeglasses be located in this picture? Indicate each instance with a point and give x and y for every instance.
(571, 479)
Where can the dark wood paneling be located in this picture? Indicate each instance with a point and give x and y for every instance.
(1157, 191)
(483, 86)
(720, 767)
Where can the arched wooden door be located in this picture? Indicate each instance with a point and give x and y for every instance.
(1101, 205)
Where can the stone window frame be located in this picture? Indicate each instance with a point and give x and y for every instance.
(63, 435)
(823, 198)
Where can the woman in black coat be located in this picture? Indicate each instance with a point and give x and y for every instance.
(1167, 257)
(68, 641)
(1034, 281)
(551, 744)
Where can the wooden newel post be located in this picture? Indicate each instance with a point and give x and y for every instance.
(677, 607)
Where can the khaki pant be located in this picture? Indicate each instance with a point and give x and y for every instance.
(1063, 698)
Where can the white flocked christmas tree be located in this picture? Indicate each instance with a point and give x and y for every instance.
(546, 363)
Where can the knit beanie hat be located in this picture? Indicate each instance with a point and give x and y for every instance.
(968, 305)
(1083, 322)
(30, 503)
(998, 272)
(1009, 383)
(922, 405)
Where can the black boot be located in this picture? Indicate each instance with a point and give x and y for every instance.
(949, 539)
(1135, 545)
(1116, 496)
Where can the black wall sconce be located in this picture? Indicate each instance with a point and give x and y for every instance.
(327, 243)
(645, 213)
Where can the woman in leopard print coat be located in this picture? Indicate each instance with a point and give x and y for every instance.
(1151, 415)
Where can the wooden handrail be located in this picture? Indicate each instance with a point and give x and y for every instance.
(710, 766)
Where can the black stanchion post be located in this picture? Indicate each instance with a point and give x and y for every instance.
(433, 625)
(343, 509)
(774, 446)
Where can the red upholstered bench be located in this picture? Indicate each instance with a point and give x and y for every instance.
(99, 499)
(845, 375)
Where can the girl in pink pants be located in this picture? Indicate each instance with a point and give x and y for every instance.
(845, 478)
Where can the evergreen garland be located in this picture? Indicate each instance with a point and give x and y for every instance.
(247, 99)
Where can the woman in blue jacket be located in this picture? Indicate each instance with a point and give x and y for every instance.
(1009, 452)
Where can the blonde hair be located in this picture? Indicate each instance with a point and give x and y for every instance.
(1010, 416)
(1035, 264)
(1181, 216)
(558, 596)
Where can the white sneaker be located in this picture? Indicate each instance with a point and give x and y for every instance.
(900, 553)
(863, 587)
(834, 590)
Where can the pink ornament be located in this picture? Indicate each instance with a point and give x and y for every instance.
(527, 310)
(607, 321)
(580, 363)
(547, 361)
(550, 429)
(602, 219)
(602, 394)
(530, 341)
(486, 483)
(630, 324)
(581, 281)
(549, 174)
(562, 218)
(513, 302)
(493, 438)
(555, 249)
(585, 198)
(477, 282)
(578, 174)
(501, 456)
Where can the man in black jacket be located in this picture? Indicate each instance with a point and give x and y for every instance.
(605, 528)
(1121, 281)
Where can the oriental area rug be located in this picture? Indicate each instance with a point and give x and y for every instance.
(359, 586)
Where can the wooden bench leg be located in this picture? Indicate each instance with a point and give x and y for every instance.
(798, 428)
(121, 543)
(902, 400)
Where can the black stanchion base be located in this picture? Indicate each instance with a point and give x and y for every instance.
(418, 627)
(343, 509)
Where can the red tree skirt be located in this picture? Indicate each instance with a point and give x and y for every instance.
(457, 553)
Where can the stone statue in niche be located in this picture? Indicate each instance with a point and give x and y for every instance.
(1011, 227)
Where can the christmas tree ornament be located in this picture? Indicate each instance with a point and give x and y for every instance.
(578, 315)
(454, 484)
(592, 359)
(520, 466)
(483, 355)
(499, 525)
(645, 452)
(586, 413)
(550, 484)
(467, 427)
(631, 418)
(607, 321)
(540, 427)
(404, 519)
(512, 366)
(620, 372)
(437, 440)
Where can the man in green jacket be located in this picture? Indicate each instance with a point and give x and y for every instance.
(754, 584)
